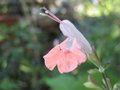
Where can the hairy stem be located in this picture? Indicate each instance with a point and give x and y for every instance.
(101, 70)
(105, 80)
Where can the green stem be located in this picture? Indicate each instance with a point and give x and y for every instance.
(105, 80)
(101, 69)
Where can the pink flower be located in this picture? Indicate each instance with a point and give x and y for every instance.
(71, 52)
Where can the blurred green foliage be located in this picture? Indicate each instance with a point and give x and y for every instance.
(20, 56)
(22, 47)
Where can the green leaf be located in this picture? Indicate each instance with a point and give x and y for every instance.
(91, 85)
(116, 86)
(66, 82)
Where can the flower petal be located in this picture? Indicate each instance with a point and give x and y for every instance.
(78, 53)
(66, 44)
(52, 57)
(69, 30)
(67, 61)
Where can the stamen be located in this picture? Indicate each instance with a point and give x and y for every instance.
(47, 11)
(51, 15)
(43, 14)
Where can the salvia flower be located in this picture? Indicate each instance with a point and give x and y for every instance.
(71, 52)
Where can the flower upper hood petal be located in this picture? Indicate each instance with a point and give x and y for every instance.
(69, 30)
